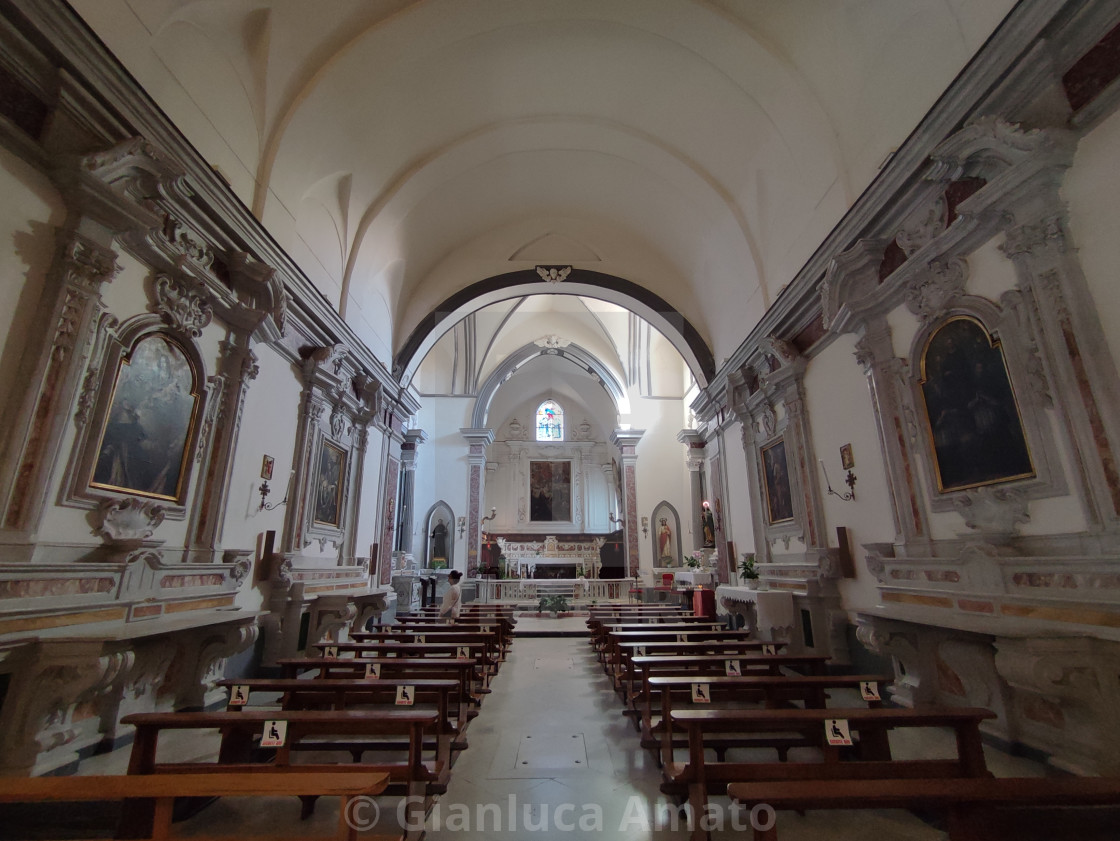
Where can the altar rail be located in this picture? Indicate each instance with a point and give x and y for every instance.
(579, 590)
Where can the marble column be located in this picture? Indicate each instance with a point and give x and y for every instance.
(694, 458)
(626, 440)
(477, 442)
(409, 452)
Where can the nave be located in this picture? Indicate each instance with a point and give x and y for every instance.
(551, 733)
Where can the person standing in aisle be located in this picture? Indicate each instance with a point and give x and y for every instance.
(453, 599)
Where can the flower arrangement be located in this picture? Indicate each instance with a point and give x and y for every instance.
(747, 568)
(555, 603)
(696, 560)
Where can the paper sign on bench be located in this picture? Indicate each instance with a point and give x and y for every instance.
(641, 651)
(462, 652)
(420, 638)
(406, 696)
(701, 694)
(238, 696)
(373, 671)
(682, 637)
(732, 668)
(330, 652)
(769, 649)
(274, 734)
(869, 689)
(836, 731)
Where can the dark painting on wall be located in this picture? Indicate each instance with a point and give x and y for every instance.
(779, 495)
(328, 488)
(975, 428)
(550, 491)
(143, 448)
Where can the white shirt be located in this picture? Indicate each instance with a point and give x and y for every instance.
(452, 602)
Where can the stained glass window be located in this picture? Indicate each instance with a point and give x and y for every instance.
(550, 422)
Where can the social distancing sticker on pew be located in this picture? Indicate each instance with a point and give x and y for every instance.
(275, 733)
(373, 671)
(836, 731)
(869, 689)
(420, 638)
(330, 652)
(640, 651)
(732, 668)
(462, 652)
(769, 649)
(406, 696)
(682, 637)
(238, 696)
(701, 694)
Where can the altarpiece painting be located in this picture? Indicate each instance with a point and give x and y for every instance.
(144, 446)
(550, 491)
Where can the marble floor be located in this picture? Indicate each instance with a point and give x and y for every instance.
(552, 756)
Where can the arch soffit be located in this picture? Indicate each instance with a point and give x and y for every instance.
(581, 282)
(571, 353)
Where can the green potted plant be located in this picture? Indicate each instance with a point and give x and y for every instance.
(554, 604)
(695, 559)
(747, 570)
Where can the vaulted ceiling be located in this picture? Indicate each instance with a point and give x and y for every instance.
(404, 150)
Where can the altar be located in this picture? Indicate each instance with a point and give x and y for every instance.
(552, 558)
(552, 567)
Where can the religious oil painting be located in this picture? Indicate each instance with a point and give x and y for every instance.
(779, 495)
(328, 488)
(550, 491)
(974, 424)
(144, 446)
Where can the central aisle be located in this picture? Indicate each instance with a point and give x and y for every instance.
(552, 756)
(551, 733)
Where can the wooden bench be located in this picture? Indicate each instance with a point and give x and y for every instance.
(416, 777)
(465, 671)
(680, 624)
(625, 646)
(774, 691)
(986, 809)
(457, 634)
(869, 758)
(340, 694)
(477, 651)
(163, 789)
(680, 665)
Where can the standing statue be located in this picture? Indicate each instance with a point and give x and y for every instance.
(709, 526)
(439, 541)
(665, 541)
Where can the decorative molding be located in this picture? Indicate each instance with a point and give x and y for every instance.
(182, 309)
(554, 274)
(122, 521)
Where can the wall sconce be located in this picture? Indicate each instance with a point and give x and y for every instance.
(462, 526)
(645, 526)
(264, 490)
(849, 480)
(614, 519)
(493, 513)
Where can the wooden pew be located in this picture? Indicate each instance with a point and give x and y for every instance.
(681, 624)
(415, 777)
(680, 665)
(985, 809)
(458, 634)
(624, 646)
(477, 651)
(464, 671)
(868, 759)
(338, 694)
(773, 691)
(162, 789)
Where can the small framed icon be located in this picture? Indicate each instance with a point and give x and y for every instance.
(267, 463)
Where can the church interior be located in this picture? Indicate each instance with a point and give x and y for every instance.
(794, 314)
